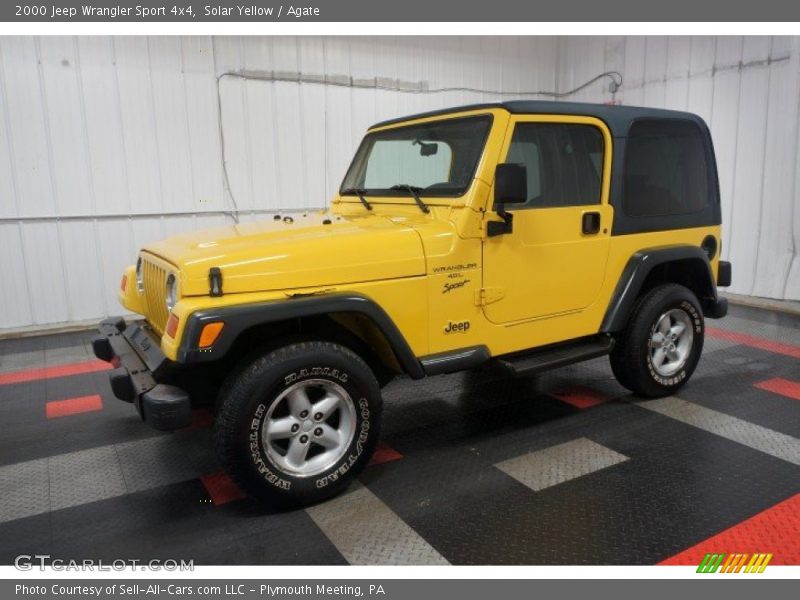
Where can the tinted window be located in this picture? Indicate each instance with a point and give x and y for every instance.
(439, 157)
(666, 169)
(564, 163)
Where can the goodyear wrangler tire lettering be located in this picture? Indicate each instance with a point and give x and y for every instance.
(316, 371)
(263, 415)
(659, 349)
(255, 454)
(353, 457)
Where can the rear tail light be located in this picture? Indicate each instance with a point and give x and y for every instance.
(124, 283)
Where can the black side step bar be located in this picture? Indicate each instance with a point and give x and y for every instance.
(459, 360)
(557, 356)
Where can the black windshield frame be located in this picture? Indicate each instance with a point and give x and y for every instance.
(357, 168)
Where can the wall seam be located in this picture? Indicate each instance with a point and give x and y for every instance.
(124, 145)
(156, 136)
(51, 172)
(14, 182)
(795, 233)
(187, 123)
(89, 163)
(735, 147)
(763, 171)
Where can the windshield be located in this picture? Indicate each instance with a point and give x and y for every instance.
(437, 158)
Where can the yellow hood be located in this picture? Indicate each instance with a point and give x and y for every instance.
(277, 255)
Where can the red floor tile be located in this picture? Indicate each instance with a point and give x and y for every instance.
(784, 387)
(754, 342)
(222, 488)
(775, 530)
(90, 366)
(73, 406)
(580, 396)
(384, 454)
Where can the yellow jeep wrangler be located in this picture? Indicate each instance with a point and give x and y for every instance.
(526, 235)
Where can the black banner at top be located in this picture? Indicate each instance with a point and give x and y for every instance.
(243, 11)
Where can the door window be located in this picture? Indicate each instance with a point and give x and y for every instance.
(564, 163)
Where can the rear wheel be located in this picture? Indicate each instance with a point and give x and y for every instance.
(659, 349)
(298, 424)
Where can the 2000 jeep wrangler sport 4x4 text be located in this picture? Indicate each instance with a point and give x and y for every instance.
(527, 235)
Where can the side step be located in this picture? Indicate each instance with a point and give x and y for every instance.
(557, 356)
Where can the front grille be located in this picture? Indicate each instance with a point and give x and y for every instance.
(155, 290)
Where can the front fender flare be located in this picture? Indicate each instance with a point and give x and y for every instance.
(239, 318)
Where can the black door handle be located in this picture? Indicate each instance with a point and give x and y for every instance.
(590, 223)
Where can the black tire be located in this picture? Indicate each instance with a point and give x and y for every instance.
(631, 359)
(253, 393)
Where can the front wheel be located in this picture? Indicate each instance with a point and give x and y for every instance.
(659, 349)
(298, 424)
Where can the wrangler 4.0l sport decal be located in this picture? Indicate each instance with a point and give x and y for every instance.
(449, 287)
(451, 268)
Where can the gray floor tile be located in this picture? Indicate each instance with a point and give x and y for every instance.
(24, 490)
(367, 532)
(86, 476)
(557, 464)
(757, 437)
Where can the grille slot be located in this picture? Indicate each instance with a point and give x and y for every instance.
(155, 289)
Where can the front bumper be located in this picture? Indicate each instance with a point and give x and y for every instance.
(139, 362)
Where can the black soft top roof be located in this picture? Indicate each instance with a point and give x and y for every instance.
(617, 117)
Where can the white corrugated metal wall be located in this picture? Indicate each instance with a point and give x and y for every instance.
(748, 91)
(128, 128)
(108, 143)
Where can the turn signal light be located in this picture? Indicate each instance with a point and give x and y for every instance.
(124, 283)
(210, 334)
(172, 325)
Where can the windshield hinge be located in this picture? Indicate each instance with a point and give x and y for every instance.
(488, 295)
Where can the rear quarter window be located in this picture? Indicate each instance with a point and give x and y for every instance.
(666, 169)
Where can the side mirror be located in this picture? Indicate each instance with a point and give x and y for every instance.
(510, 184)
(510, 187)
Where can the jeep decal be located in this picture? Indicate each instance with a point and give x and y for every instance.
(457, 327)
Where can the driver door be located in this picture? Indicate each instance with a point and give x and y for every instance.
(553, 262)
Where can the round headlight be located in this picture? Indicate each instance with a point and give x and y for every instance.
(139, 276)
(172, 292)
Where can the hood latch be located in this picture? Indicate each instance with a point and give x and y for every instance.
(215, 281)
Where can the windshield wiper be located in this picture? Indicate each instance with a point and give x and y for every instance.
(360, 193)
(414, 191)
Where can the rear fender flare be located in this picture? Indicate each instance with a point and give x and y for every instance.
(636, 272)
